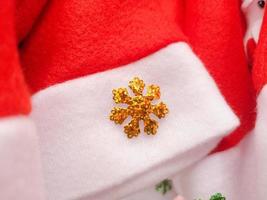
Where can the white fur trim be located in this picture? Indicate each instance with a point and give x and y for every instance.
(84, 153)
(239, 173)
(20, 168)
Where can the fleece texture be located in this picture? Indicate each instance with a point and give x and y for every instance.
(73, 52)
(90, 37)
(26, 14)
(75, 131)
(14, 97)
(20, 172)
(76, 38)
(215, 31)
(250, 48)
(239, 173)
(260, 62)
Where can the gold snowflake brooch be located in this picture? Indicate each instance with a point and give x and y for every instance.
(139, 107)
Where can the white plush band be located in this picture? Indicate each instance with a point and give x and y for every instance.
(20, 167)
(239, 173)
(85, 154)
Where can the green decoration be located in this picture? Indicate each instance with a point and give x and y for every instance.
(217, 196)
(164, 186)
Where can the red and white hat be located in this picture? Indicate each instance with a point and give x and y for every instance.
(76, 52)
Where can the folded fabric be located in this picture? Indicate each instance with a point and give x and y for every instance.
(60, 62)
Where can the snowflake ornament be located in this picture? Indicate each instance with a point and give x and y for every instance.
(139, 108)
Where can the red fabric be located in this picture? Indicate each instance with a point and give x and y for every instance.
(14, 98)
(26, 14)
(251, 46)
(260, 62)
(215, 31)
(77, 38)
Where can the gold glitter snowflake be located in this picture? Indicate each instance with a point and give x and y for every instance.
(139, 107)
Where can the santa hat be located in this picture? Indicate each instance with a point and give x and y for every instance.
(72, 72)
(78, 52)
